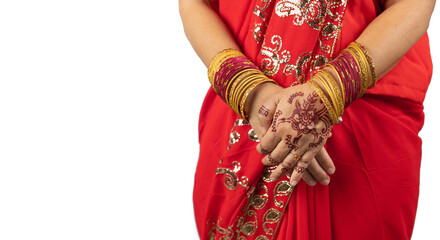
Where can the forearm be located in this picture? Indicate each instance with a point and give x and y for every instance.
(204, 29)
(389, 37)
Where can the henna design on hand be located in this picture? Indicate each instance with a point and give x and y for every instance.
(272, 160)
(293, 96)
(275, 119)
(263, 111)
(284, 169)
(299, 169)
(292, 144)
(305, 117)
(317, 143)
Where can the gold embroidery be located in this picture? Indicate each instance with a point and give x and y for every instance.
(215, 228)
(272, 216)
(253, 136)
(260, 27)
(332, 27)
(273, 60)
(271, 64)
(250, 227)
(324, 16)
(261, 237)
(231, 180)
(303, 11)
(282, 188)
(258, 32)
(234, 136)
(266, 173)
(302, 66)
(259, 201)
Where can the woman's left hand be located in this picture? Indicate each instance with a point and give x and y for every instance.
(299, 130)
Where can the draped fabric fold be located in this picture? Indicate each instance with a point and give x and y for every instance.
(376, 149)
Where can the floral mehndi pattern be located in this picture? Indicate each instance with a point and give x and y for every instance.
(305, 118)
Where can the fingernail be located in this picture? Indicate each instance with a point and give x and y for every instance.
(293, 183)
(312, 183)
(326, 181)
(331, 170)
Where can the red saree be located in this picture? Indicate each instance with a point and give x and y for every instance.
(376, 149)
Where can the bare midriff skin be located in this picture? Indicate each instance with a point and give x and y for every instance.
(388, 37)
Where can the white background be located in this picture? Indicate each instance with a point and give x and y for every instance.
(99, 104)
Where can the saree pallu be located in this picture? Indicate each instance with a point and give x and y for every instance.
(376, 149)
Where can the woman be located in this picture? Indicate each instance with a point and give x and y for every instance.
(375, 149)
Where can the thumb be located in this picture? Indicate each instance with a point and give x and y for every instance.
(266, 113)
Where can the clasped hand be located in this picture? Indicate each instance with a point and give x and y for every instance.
(293, 126)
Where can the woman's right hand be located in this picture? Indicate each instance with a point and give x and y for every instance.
(261, 120)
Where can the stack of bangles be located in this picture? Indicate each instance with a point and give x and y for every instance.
(355, 70)
(233, 76)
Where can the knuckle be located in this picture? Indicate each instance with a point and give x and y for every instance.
(304, 162)
(289, 164)
(263, 112)
(283, 128)
(272, 159)
(264, 150)
(320, 155)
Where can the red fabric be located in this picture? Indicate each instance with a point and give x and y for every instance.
(376, 149)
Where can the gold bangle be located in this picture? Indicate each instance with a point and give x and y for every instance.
(241, 88)
(340, 82)
(339, 105)
(328, 91)
(217, 61)
(238, 77)
(238, 87)
(336, 95)
(370, 64)
(327, 104)
(360, 58)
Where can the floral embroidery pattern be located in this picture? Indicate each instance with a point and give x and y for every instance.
(231, 179)
(273, 58)
(262, 13)
(323, 16)
(303, 11)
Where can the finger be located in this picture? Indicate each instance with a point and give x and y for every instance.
(266, 113)
(268, 160)
(308, 178)
(300, 168)
(291, 158)
(325, 161)
(277, 155)
(286, 165)
(304, 162)
(268, 143)
(318, 173)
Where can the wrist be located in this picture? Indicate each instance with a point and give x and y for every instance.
(234, 77)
